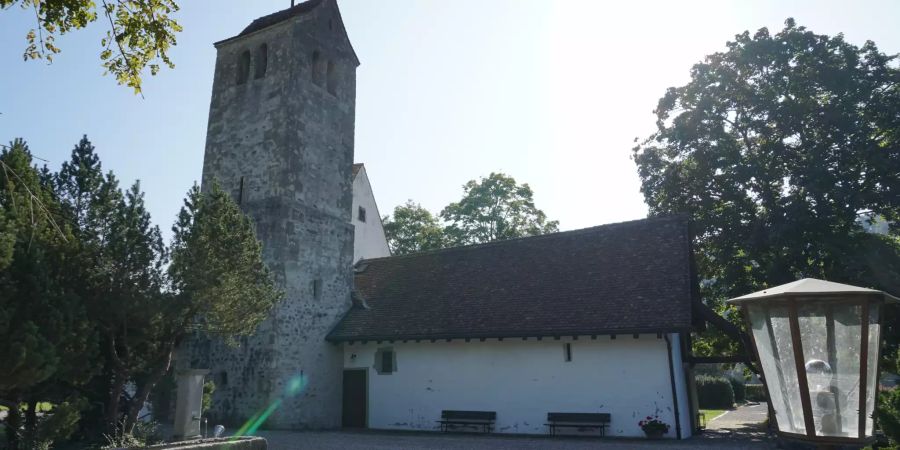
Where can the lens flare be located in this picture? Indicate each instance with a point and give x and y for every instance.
(294, 386)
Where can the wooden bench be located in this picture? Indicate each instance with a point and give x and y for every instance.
(578, 420)
(484, 419)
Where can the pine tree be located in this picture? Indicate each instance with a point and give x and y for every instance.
(44, 335)
(217, 269)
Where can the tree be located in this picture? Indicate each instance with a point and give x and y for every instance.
(887, 412)
(779, 148)
(47, 341)
(217, 270)
(139, 36)
(90, 313)
(412, 229)
(494, 208)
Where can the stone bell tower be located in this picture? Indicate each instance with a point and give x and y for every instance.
(280, 139)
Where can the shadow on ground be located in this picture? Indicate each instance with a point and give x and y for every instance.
(751, 438)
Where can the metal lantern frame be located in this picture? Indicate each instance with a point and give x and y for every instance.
(792, 296)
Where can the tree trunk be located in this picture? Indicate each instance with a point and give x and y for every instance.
(143, 392)
(13, 424)
(116, 386)
(31, 424)
(113, 402)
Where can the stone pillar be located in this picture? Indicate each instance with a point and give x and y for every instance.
(189, 403)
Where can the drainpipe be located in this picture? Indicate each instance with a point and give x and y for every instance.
(674, 390)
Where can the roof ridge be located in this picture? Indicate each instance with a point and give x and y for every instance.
(534, 237)
(275, 18)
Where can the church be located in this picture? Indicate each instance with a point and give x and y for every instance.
(596, 320)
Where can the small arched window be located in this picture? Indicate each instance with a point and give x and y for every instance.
(262, 60)
(318, 66)
(332, 78)
(243, 67)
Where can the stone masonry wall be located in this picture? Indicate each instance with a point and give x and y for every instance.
(283, 146)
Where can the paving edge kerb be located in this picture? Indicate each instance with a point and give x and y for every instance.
(241, 443)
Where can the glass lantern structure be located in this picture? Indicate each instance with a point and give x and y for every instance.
(818, 346)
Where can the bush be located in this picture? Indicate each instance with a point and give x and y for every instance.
(714, 392)
(755, 392)
(887, 413)
(737, 386)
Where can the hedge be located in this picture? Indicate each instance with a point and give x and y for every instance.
(739, 391)
(714, 392)
(755, 393)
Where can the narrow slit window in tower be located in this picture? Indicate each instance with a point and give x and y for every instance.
(262, 60)
(318, 66)
(243, 67)
(332, 78)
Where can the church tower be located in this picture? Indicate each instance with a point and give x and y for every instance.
(280, 139)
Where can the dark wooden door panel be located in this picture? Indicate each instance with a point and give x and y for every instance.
(354, 407)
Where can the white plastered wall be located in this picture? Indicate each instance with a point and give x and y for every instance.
(369, 240)
(522, 381)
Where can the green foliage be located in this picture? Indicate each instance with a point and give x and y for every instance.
(755, 392)
(222, 285)
(887, 414)
(92, 312)
(139, 35)
(209, 387)
(58, 426)
(779, 148)
(46, 339)
(714, 392)
(7, 240)
(739, 389)
(492, 208)
(495, 208)
(412, 229)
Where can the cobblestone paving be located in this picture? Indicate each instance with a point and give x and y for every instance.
(749, 439)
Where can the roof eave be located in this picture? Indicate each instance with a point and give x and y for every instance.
(505, 335)
(888, 298)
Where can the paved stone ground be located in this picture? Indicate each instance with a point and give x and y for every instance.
(743, 416)
(749, 439)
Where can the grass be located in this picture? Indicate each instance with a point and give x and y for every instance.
(712, 413)
(41, 407)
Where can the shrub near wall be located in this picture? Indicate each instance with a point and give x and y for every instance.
(739, 391)
(755, 393)
(714, 392)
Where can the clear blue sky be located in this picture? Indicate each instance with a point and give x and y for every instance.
(550, 92)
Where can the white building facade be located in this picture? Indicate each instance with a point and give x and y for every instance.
(586, 321)
(369, 240)
(523, 380)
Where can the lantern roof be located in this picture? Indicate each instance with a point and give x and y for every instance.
(812, 287)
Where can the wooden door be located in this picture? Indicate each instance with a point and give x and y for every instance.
(354, 407)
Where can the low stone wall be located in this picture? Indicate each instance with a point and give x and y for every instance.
(241, 443)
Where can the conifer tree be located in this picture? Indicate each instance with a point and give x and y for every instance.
(45, 336)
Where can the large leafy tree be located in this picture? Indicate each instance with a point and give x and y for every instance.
(139, 35)
(412, 229)
(494, 208)
(780, 148)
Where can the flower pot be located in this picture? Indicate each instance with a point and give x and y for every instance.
(654, 434)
